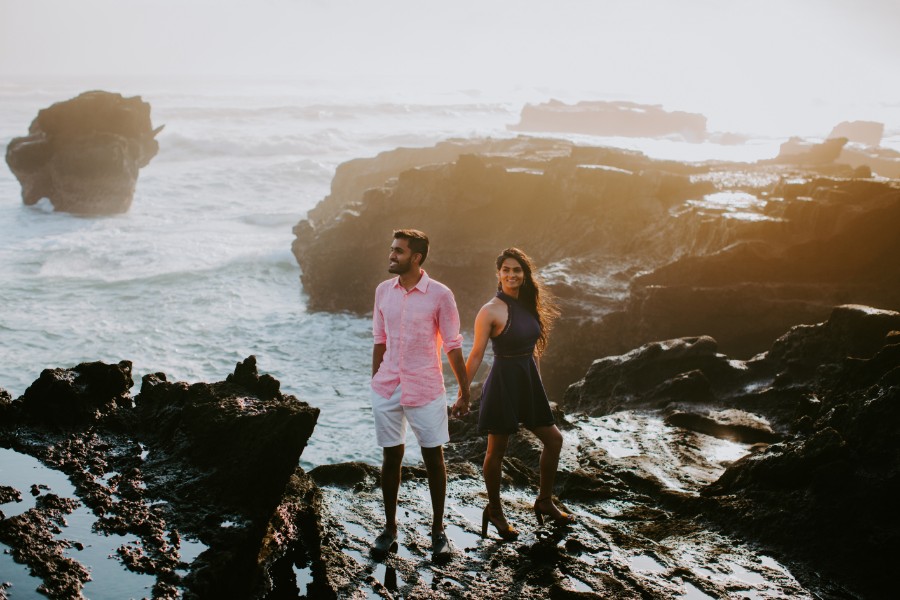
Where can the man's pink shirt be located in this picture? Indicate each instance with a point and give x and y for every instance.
(413, 324)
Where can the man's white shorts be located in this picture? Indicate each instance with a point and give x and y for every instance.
(428, 422)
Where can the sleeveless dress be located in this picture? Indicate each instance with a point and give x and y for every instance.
(513, 392)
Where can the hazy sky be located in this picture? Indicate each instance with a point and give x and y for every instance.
(683, 53)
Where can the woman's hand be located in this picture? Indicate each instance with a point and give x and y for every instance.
(461, 407)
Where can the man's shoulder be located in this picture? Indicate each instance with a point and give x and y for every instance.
(386, 284)
(439, 288)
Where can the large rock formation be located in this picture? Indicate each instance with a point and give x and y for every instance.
(868, 133)
(84, 154)
(636, 249)
(797, 151)
(607, 118)
(516, 192)
(827, 241)
(211, 462)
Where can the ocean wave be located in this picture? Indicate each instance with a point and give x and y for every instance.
(165, 269)
(177, 146)
(326, 112)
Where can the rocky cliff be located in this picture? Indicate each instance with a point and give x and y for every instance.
(636, 249)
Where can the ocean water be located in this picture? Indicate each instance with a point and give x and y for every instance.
(199, 274)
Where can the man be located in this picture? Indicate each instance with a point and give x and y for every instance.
(413, 314)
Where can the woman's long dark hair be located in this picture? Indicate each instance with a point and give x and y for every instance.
(533, 296)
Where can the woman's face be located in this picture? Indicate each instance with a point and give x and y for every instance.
(511, 274)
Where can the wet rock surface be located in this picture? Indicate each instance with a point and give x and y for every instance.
(776, 480)
(84, 154)
(211, 463)
(635, 249)
(675, 498)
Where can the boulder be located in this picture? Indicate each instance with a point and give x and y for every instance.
(653, 376)
(796, 151)
(83, 394)
(84, 154)
(242, 436)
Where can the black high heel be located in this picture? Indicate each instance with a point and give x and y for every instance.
(508, 533)
(563, 518)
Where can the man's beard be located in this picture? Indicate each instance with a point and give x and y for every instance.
(398, 268)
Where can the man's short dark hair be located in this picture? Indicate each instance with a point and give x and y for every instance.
(418, 241)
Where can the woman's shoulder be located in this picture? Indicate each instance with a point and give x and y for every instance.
(495, 308)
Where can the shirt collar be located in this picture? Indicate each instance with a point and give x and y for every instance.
(422, 286)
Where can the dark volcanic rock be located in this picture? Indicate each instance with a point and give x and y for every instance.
(831, 244)
(829, 492)
(31, 535)
(84, 154)
(635, 480)
(808, 354)
(86, 393)
(653, 375)
(822, 407)
(213, 462)
(6, 406)
(243, 440)
(612, 119)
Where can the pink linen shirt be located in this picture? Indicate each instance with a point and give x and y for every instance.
(413, 325)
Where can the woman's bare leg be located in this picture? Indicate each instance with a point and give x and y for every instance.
(552, 440)
(492, 470)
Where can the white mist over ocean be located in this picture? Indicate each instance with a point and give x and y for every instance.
(199, 273)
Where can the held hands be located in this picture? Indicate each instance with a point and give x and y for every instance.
(461, 407)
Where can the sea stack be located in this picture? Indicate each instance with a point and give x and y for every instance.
(84, 154)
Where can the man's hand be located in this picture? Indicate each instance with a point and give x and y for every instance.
(461, 407)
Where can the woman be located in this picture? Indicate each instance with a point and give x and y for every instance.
(517, 321)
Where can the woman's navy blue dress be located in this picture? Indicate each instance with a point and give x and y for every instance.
(513, 392)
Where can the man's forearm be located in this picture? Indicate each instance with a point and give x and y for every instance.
(378, 351)
(458, 365)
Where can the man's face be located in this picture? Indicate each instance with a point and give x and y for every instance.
(401, 258)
